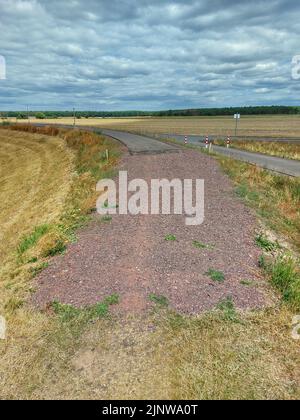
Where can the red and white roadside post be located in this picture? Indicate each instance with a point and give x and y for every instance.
(206, 142)
(228, 142)
(185, 140)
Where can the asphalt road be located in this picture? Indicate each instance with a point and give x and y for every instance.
(194, 138)
(140, 144)
(146, 145)
(284, 166)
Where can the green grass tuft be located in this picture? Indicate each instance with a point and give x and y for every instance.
(106, 218)
(264, 243)
(248, 283)
(159, 299)
(69, 313)
(215, 275)
(170, 238)
(228, 310)
(201, 245)
(31, 240)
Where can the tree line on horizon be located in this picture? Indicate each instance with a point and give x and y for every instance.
(201, 112)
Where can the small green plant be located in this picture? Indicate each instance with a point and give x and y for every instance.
(106, 218)
(112, 299)
(285, 276)
(201, 245)
(38, 269)
(31, 240)
(159, 299)
(65, 312)
(69, 313)
(32, 260)
(262, 262)
(170, 238)
(215, 275)
(228, 309)
(264, 243)
(248, 283)
(59, 248)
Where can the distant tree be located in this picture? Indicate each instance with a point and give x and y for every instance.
(40, 116)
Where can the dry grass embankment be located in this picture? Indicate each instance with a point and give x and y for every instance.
(48, 179)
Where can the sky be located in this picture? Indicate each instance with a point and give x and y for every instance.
(148, 55)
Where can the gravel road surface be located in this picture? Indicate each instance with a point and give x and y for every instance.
(131, 257)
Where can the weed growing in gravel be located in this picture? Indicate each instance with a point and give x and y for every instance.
(159, 299)
(106, 218)
(68, 313)
(201, 245)
(215, 275)
(264, 243)
(170, 238)
(248, 283)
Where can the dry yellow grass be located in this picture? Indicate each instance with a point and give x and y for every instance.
(277, 125)
(35, 178)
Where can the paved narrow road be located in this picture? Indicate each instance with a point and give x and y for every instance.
(196, 138)
(284, 166)
(145, 145)
(140, 144)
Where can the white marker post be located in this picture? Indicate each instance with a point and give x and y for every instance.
(185, 140)
(237, 117)
(206, 142)
(228, 142)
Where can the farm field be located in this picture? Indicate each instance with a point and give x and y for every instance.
(261, 126)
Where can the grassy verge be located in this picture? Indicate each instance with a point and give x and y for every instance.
(45, 240)
(276, 199)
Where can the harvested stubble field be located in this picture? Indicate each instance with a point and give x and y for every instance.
(261, 126)
(79, 353)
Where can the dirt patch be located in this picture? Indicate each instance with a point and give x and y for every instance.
(131, 257)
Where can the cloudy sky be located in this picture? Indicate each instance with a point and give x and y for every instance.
(150, 55)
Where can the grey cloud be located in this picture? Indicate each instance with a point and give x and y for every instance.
(148, 54)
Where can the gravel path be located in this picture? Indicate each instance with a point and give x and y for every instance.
(131, 257)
